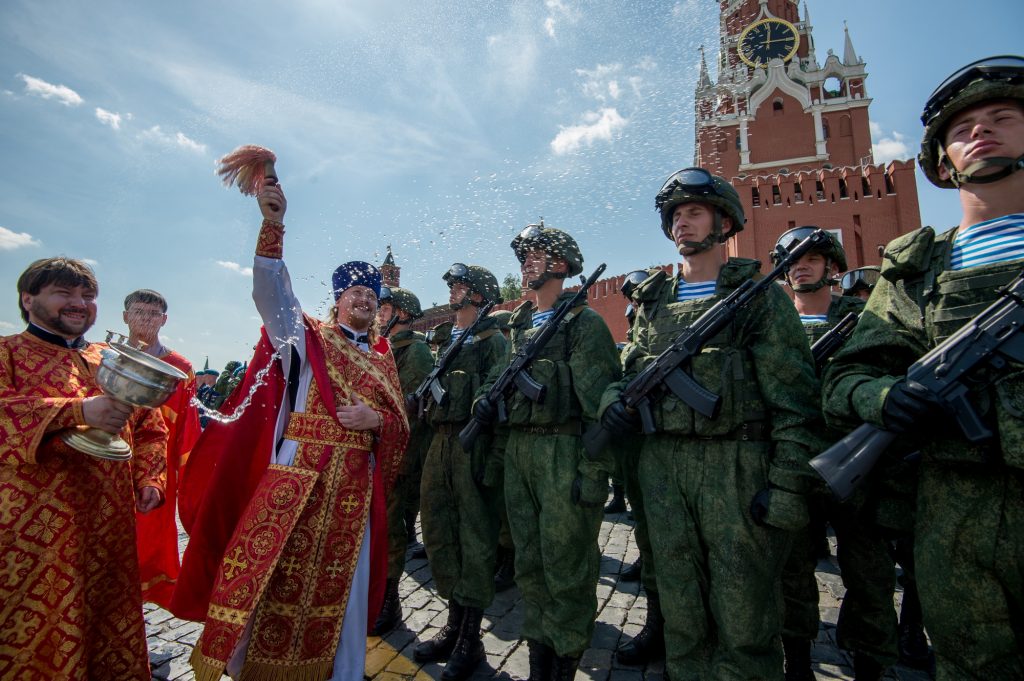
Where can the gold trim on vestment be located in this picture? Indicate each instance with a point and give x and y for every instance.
(322, 429)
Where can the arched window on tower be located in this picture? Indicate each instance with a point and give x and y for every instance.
(777, 107)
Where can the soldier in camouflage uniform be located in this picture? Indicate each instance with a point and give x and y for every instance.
(721, 495)
(969, 545)
(860, 282)
(505, 570)
(414, 361)
(649, 642)
(867, 620)
(554, 493)
(460, 525)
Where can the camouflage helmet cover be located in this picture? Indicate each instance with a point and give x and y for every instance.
(550, 240)
(478, 279)
(981, 81)
(833, 250)
(404, 299)
(696, 185)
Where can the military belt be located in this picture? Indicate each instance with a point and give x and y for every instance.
(449, 429)
(571, 428)
(749, 431)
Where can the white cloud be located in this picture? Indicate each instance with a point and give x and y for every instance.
(40, 88)
(235, 267)
(108, 118)
(888, 148)
(90, 262)
(596, 126)
(6, 326)
(11, 240)
(559, 11)
(155, 134)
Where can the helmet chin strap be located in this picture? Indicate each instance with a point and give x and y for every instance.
(825, 280)
(1007, 166)
(461, 303)
(546, 275)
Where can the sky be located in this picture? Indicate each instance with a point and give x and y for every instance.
(440, 127)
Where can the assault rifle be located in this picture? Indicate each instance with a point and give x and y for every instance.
(990, 339)
(668, 371)
(516, 374)
(826, 346)
(431, 386)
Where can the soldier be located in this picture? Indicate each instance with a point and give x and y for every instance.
(554, 493)
(414, 361)
(722, 494)
(505, 570)
(867, 621)
(970, 501)
(860, 282)
(460, 525)
(649, 642)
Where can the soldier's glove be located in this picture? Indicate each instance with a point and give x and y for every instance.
(618, 420)
(485, 411)
(909, 406)
(588, 492)
(775, 507)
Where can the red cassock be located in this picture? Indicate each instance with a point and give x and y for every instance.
(157, 531)
(286, 538)
(70, 603)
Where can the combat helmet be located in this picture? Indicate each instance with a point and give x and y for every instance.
(402, 299)
(478, 279)
(831, 249)
(981, 81)
(696, 185)
(555, 243)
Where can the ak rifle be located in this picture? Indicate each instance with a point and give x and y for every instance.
(669, 370)
(431, 387)
(992, 339)
(826, 346)
(516, 375)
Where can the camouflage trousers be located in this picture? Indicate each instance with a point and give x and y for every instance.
(404, 501)
(969, 555)
(460, 524)
(867, 618)
(629, 466)
(557, 558)
(718, 571)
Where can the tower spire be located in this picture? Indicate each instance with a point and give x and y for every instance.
(849, 55)
(704, 80)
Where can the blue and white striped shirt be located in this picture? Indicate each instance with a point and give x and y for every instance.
(998, 240)
(698, 289)
(814, 318)
(540, 317)
(456, 332)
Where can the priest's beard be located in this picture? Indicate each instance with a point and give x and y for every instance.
(61, 326)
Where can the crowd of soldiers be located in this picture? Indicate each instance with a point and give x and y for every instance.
(730, 519)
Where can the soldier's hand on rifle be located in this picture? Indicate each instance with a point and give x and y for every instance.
(485, 411)
(908, 406)
(619, 420)
(776, 507)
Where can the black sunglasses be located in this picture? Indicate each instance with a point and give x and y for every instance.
(1004, 67)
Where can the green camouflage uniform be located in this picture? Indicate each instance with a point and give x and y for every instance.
(414, 361)
(968, 542)
(557, 557)
(867, 620)
(460, 527)
(718, 571)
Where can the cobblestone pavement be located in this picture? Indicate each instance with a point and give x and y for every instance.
(621, 613)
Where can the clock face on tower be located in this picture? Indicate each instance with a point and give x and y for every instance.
(768, 39)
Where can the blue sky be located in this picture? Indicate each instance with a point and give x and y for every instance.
(440, 127)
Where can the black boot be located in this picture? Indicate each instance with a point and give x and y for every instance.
(441, 646)
(541, 659)
(505, 575)
(866, 668)
(798, 658)
(469, 649)
(563, 667)
(618, 502)
(649, 643)
(391, 612)
(633, 572)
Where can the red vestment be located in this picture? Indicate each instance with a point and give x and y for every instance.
(278, 544)
(157, 531)
(70, 602)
